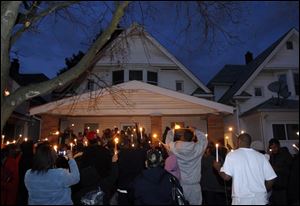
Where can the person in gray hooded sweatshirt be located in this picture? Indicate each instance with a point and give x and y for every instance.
(189, 150)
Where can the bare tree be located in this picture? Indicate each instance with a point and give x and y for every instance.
(19, 17)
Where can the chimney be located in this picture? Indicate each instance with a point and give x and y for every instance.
(248, 57)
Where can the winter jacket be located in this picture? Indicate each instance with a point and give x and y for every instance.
(152, 187)
(189, 156)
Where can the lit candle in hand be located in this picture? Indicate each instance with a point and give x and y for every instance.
(141, 130)
(217, 152)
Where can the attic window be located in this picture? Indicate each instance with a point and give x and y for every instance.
(136, 75)
(258, 92)
(152, 78)
(90, 84)
(118, 77)
(289, 45)
(179, 86)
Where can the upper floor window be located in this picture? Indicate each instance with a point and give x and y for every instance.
(152, 78)
(258, 92)
(296, 83)
(289, 45)
(179, 86)
(285, 131)
(90, 84)
(118, 77)
(136, 75)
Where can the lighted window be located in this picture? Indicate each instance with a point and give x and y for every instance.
(118, 77)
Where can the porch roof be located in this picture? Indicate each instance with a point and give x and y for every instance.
(131, 98)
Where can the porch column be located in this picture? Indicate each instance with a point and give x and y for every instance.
(49, 125)
(215, 128)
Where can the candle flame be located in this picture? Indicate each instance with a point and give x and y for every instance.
(230, 129)
(155, 135)
(217, 145)
(242, 132)
(72, 125)
(56, 133)
(295, 146)
(177, 126)
(55, 147)
(3, 136)
(116, 140)
(25, 139)
(226, 137)
(132, 145)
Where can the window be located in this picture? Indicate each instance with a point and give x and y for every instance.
(179, 86)
(152, 78)
(283, 79)
(90, 84)
(258, 92)
(296, 83)
(118, 77)
(136, 75)
(285, 131)
(289, 45)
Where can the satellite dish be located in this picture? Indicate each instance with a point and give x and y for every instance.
(274, 86)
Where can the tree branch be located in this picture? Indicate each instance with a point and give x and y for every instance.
(28, 92)
(35, 17)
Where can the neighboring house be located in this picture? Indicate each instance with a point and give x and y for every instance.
(20, 122)
(134, 79)
(245, 87)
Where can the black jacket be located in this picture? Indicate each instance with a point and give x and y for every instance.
(152, 187)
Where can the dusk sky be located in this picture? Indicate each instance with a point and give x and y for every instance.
(261, 24)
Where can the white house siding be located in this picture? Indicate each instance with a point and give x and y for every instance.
(141, 55)
(251, 124)
(285, 57)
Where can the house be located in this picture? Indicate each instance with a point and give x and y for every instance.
(258, 110)
(133, 79)
(20, 123)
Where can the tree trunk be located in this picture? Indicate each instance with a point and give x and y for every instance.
(22, 94)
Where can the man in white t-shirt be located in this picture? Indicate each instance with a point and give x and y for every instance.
(251, 173)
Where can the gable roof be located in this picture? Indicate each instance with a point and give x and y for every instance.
(155, 99)
(227, 76)
(253, 68)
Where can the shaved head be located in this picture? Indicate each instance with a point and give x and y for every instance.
(244, 140)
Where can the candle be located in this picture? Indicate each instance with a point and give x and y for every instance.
(132, 145)
(86, 143)
(295, 146)
(217, 152)
(98, 131)
(14, 141)
(55, 148)
(25, 139)
(2, 142)
(46, 139)
(71, 145)
(75, 141)
(7, 142)
(141, 130)
(72, 125)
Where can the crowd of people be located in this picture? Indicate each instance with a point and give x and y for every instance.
(137, 171)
